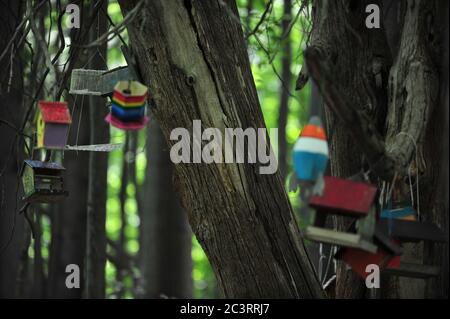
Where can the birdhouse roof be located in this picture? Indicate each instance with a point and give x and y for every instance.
(44, 165)
(412, 231)
(55, 112)
(344, 197)
(131, 89)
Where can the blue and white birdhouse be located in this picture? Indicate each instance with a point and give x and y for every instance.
(311, 151)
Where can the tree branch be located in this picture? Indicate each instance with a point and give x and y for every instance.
(359, 125)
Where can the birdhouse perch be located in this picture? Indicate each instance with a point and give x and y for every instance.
(346, 198)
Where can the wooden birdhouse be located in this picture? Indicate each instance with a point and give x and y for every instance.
(98, 82)
(359, 259)
(42, 182)
(404, 213)
(387, 255)
(310, 155)
(345, 198)
(407, 231)
(128, 106)
(53, 121)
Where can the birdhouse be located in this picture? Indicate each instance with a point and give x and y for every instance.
(98, 82)
(42, 182)
(53, 121)
(310, 155)
(407, 231)
(345, 198)
(387, 255)
(404, 213)
(358, 260)
(128, 106)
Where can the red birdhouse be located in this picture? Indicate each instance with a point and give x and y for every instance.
(359, 259)
(346, 198)
(53, 121)
(386, 256)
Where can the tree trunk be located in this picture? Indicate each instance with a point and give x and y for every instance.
(193, 57)
(385, 108)
(68, 241)
(286, 78)
(166, 263)
(436, 184)
(39, 280)
(11, 99)
(97, 187)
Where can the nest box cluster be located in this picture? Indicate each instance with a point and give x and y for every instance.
(376, 235)
(42, 180)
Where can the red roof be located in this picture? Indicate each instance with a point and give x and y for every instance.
(55, 112)
(342, 196)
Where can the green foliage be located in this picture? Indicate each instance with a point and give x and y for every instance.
(205, 285)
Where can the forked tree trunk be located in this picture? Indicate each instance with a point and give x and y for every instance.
(392, 94)
(192, 55)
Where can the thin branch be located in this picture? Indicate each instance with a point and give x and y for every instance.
(41, 42)
(115, 30)
(357, 123)
(73, 54)
(19, 28)
(263, 17)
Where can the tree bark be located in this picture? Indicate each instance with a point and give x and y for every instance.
(97, 187)
(68, 240)
(436, 157)
(166, 263)
(193, 58)
(339, 25)
(11, 101)
(286, 77)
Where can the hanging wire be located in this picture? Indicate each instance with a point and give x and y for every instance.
(321, 258)
(79, 121)
(98, 36)
(327, 268)
(417, 173)
(388, 202)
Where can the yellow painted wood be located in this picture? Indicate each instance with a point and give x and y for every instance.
(40, 130)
